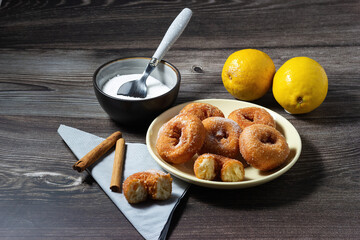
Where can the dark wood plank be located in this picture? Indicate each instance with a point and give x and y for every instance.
(218, 24)
(53, 84)
(48, 53)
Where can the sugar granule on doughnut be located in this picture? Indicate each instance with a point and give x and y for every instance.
(212, 166)
(222, 137)
(263, 147)
(252, 115)
(180, 138)
(151, 183)
(202, 110)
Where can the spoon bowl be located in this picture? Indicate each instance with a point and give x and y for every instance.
(134, 88)
(137, 88)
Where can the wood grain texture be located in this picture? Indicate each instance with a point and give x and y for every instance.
(49, 51)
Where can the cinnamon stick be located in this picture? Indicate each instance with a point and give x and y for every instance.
(92, 156)
(115, 184)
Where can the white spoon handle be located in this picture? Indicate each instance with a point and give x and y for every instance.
(173, 33)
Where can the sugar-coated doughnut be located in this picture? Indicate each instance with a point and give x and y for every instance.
(263, 147)
(151, 183)
(222, 137)
(202, 110)
(212, 166)
(180, 138)
(252, 115)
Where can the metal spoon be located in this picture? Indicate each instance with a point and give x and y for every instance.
(138, 88)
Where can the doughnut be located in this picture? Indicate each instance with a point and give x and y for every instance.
(263, 147)
(222, 137)
(180, 138)
(202, 110)
(151, 183)
(212, 166)
(252, 115)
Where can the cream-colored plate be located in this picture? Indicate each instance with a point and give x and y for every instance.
(253, 177)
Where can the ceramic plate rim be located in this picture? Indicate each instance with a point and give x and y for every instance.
(217, 184)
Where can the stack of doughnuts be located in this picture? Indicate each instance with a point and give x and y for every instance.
(221, 144)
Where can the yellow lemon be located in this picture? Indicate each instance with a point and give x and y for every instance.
(300, 85)
(247, 74)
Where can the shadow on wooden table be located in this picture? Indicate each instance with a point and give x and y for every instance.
(299, 182)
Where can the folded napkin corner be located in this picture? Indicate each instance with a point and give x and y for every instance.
(151, 219)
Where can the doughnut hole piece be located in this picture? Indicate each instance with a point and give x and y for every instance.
(232, 171)
(135, 190)
(180, 138)
(210, 166)
(222, 137)
(202, 110)
(152, 183)
(252, 115)
(206, 167)
(159, 185)
(263, 147)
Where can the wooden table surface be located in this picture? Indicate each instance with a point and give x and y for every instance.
(49, 51)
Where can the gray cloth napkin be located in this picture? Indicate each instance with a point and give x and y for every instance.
(152, 218)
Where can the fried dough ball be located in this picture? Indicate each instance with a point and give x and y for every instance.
(212, 166)
(180, 138)
(202, 110)
(222, 137)
(263, 147)
(151, 183)
(252, 115)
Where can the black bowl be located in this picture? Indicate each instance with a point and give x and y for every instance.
(137, 111)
